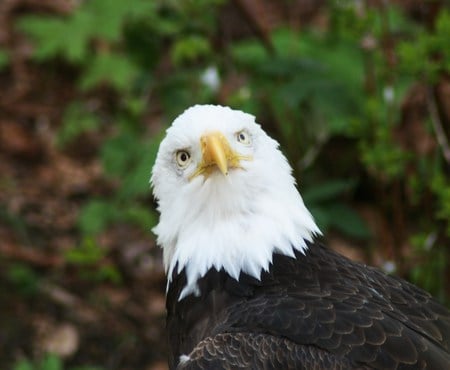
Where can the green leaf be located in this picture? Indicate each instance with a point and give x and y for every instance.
(189, 48)
(136, 182)
(58, 36)
(133, 169)
(330, 190)
(24, 365)
(114, 70)
(141, 216)
(248, 53)
(346, 220)
(51, 362)
(70, 37)
(87, 253)
(96, 215)
(321, 217)
(4, 59)
(24, 279)
(119, 153)
(76, 120)
(108, 17)
(109, 273)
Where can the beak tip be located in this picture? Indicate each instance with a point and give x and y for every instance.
(216, 151)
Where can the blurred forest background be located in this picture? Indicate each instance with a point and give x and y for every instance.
(356, 91)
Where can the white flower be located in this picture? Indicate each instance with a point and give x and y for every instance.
(210, 78)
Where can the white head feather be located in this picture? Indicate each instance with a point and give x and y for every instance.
(235, 222)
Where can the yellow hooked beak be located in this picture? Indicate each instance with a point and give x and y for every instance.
(217, 153)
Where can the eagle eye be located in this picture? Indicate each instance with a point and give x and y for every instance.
(243, 137)
(183, 158)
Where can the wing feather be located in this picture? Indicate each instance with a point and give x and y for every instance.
(319, 311)
(359, 313)
(259, 351)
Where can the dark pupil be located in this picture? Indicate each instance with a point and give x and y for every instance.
(183, 157)
(242, 137)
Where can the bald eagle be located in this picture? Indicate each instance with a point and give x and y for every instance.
(249, 286)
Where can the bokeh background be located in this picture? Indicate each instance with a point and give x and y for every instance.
(357, 92)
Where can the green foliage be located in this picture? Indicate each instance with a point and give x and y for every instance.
(329, 212)
(125, 157)
(100, 37)
(77, 120)
(89, 257)
(54, 39)
(189, 49)
(382, 157)
(309, 80)
(24, 279)
(116, 71)
(430, 272)
(48, 362)
(428, 54)
(71, 37)
(344, 82)
(13, 221)
(440, 186)
(96, 215)
(87, 253)
(4, 59)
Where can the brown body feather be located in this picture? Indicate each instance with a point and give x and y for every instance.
(315, 311)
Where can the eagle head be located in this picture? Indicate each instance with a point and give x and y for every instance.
(226, 197)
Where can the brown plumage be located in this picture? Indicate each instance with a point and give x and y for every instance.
(314, 311)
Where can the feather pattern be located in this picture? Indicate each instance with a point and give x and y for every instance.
(314, 311)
